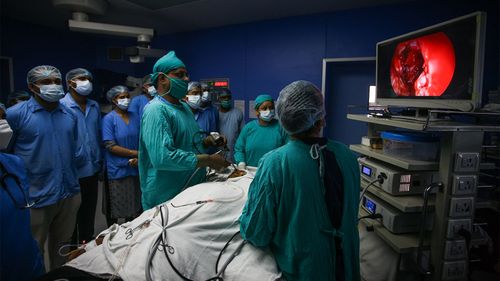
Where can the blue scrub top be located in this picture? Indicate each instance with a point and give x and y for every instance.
(48, 143)
(138, 103)
(20, 257)
(231, 123)
(89, 124)
(124, 135)
(208, 119)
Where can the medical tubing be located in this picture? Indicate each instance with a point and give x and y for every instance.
(379, 179)
(194, 141)
(222, 251)
(190, 178)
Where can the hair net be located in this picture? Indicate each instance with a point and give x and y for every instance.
(165, 64)
(194, 85)
(224, 92)
(111, 94)
(299, 105)
(42, 72)
(77, 73)
(261, 99)
(146, 79)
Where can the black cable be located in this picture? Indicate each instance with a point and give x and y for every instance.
(163, 243)
(223, 249)
(194, 141)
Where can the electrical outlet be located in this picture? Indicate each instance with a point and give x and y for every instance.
(461, 207)
(466, 162)
(454, 226)
(464, 185)
(455, 250)
(454, 270)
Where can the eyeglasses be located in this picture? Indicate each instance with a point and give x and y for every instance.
(3, 179)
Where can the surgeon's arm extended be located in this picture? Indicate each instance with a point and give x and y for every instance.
(258, 220)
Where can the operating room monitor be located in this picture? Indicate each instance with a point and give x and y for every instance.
(440, 66)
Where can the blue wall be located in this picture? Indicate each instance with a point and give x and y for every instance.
(256, 57)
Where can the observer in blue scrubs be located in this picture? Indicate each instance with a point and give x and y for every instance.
(259, 136)
(303, 201)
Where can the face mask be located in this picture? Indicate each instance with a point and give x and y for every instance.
(152, 91)
(226, 104)
(266, 115)
(123, 103)
(5, 134)
(84, 87)
(194, 101)
(51, 93)
(205, 97)
(178, 88)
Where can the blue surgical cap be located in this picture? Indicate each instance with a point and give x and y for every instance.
(42, 72)
(165, 64)
(111, 94)
(261, 99)
(194, 85)
(77, 73)
(146, 80)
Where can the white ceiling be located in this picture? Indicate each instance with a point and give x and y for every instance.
(169, 16)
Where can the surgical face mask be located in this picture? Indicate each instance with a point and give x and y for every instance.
(84, 87)
(5, 134)
(194, 101)
(152, 91)
(205, 97)
(266, 115)
(226, 104)
(51, 93)
(123, 103)
(178, 88)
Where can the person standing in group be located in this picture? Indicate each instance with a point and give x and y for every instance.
(79, 83)
(169, 151)
(207, 120)
(120, 130)
(303, 201)
(231, 121)
(139, 102)
(259, 136)
(46, 139)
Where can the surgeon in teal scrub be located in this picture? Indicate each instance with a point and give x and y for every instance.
(259, 136)
(170, 147)
(303, 201)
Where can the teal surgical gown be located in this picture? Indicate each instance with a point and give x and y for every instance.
(286, 211)
(167, 155)
(256, 140)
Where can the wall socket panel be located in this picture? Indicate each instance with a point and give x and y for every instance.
(466, 162)
(454, 270)
(454, 225)
(455, 250)
(461, 207)
(464, 185)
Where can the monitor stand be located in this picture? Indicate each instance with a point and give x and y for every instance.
(420, 115)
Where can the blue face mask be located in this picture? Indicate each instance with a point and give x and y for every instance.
(226, 104)
(51, 93)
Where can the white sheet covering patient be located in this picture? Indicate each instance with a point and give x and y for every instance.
(201, 220)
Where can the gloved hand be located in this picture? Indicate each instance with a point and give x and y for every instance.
(214, 161)
(242, 165)
(210, 141)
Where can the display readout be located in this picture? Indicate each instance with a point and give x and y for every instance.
(370, 205)
(366, 170)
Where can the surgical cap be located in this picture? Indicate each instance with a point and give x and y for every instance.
(77, 73)
(42, 72)
(194, 85)
(18, 94)
(165, 64)
(111, 94)
(2, 106)
(146, 80)
(299, 105)
(224, 92)
(261, 99)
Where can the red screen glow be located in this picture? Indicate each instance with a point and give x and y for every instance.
(220, 84)
(423, 66)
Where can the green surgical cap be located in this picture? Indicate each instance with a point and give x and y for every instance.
(165, 64)
(261, 99)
